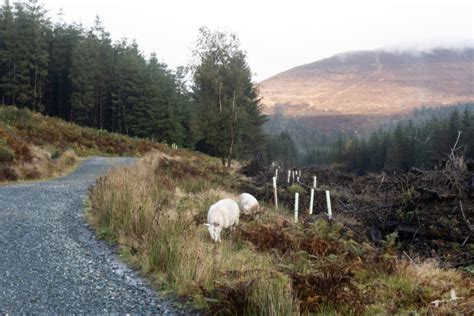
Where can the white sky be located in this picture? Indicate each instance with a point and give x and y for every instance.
(278, 35)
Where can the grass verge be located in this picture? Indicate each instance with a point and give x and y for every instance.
(44, 169)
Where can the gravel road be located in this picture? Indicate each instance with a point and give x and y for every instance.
(50, 261)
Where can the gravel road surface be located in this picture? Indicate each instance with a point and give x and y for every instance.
(50, 261)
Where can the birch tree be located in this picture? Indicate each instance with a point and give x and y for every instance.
(228, 122)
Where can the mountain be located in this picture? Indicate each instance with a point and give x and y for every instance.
(368, 83)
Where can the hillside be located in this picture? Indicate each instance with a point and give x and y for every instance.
(372, 83)
(34, 146)
(154, 212)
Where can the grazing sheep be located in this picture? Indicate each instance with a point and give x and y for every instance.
(248, 203)
(223, 214)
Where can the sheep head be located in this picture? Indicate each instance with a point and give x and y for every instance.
(215, 231)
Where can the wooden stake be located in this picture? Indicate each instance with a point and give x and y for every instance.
(276, 173)
(315, 181)
(328, 202)
(311, 201)
(292, 176)
(275, 192)
(297, 195)
(289, 174)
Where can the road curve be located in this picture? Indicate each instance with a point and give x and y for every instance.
(50, 261)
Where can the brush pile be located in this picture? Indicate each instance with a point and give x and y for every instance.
(431, 211)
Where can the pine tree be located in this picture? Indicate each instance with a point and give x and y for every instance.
(90, 74)
(394, 158)
(64, 39)
(83, 69)
(454, 127)
(24, 56)
(282, 149)
(8, 40)
(377, 151)
(102, 74)
(159, 114)
(467, 126)
(127, 85)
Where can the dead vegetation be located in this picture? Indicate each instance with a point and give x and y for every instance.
(429, 210)
(21, 160)
(150, 210)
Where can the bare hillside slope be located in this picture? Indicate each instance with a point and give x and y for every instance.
(372, 83)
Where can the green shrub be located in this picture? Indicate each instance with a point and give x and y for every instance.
(296, 188)
(56, 154)
(6, 155)
(12, 115)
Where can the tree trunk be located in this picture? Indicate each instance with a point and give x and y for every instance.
(232, 133)
(14, 94)
(71, 113)
(34, 90)
(58, 106)
(220, 100)
(101, 111)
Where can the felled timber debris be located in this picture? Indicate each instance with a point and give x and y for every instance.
(431, 210)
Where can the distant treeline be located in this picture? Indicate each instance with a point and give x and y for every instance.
(80, 75)
(422, 141)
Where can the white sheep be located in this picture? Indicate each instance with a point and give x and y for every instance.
(248, 203)
(223, 214)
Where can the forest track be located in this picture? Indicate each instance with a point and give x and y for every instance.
(50, 260)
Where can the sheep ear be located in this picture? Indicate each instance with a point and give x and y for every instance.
(215, 224)
(206, 224)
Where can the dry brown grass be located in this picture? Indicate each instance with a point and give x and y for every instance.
(440, 282)
(33, 146)
(360, 85)
(42, 166)
(428, 273)
(151, 208)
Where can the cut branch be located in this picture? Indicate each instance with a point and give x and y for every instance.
(471, 227)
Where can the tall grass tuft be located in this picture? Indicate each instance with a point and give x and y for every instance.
(155, 208)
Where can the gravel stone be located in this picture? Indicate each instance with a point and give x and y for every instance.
(50, 260)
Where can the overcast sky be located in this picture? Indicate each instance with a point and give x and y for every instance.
(278, 35)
